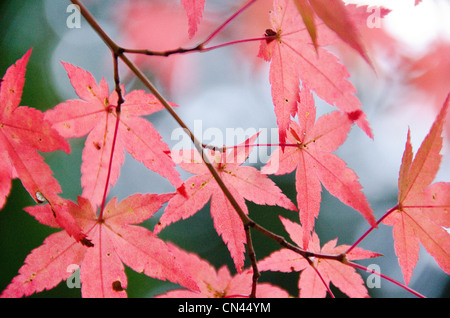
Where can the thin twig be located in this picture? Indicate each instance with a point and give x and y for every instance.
(223, 25)
(371, 229)
(199, 48)
(412, 291)
(120, 101)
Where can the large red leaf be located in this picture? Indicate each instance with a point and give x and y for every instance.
(95, 115)
(244, 183)
(310, 154)
(422, 212)
(116, 241)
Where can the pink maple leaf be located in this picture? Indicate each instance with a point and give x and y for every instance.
(422, 212)
(310, 154)
(244, 183)
(95, 115)
(24, 132)
(116, 241)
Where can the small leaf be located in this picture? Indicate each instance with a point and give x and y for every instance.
(218, 283)
(310, 284)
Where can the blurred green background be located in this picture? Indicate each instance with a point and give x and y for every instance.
(41, 24)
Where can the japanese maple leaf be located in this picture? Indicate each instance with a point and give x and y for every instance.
(218, 283)
(95, 115)
(310, 284)
(310, 154)
(116, 241)
(293, 58)
(243, 182)
(194, 10)
(24, 132)
(422, 211)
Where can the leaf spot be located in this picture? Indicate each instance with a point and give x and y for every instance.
(86, 242)
(117, 286)
(97, 145)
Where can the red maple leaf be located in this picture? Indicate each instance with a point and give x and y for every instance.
(194, 10)
(294, 57)
(422, 213)
(116, 241)
(310, 284)
(24, 132)
(95, 115)
(244, 183)
(218, 283)
(310, 154)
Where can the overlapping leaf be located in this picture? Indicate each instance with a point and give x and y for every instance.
(336, 16)
(310, 283)
(24, 132)
(244, 183)
(95, 115)
(116, 241)
(423, 208)
(310, 154)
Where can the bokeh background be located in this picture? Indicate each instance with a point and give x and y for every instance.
(228, 88)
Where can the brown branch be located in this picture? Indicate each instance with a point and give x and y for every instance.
(252, 256)
(248, 223)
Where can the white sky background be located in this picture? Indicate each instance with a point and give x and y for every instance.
(416, 25)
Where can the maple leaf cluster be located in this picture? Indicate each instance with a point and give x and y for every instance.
(103, 237)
